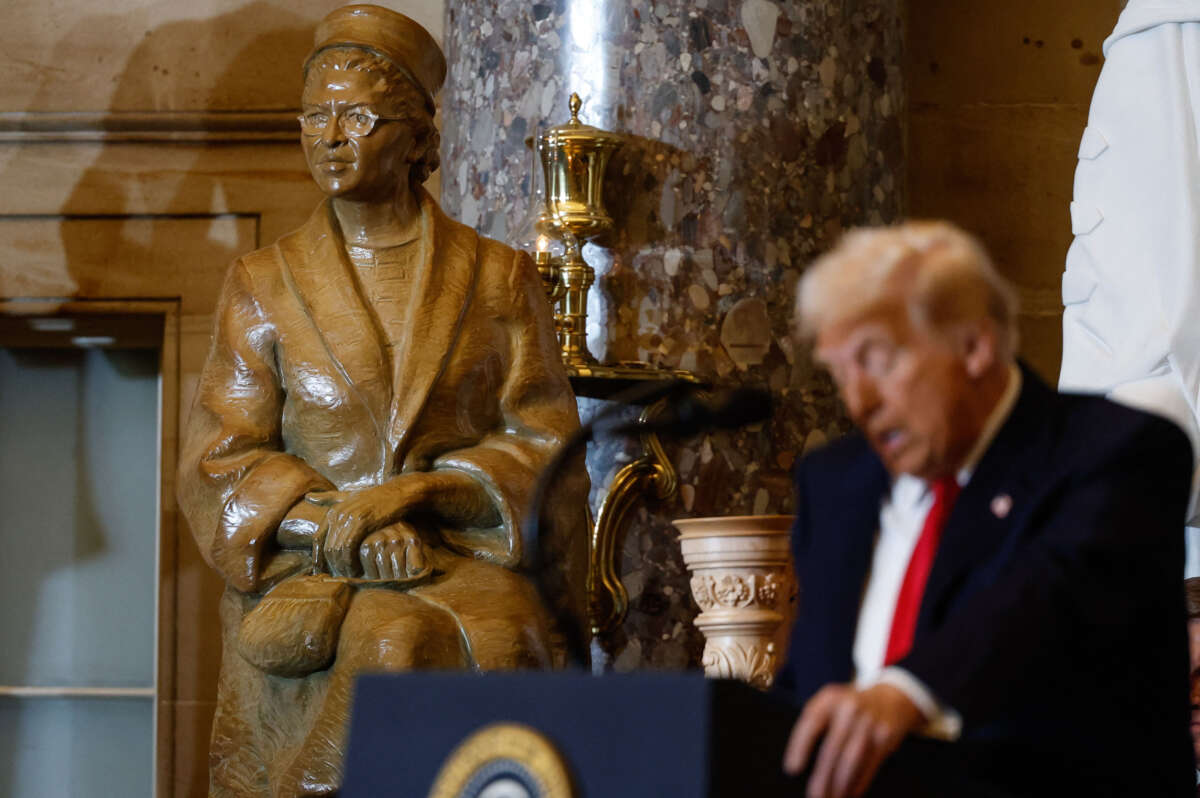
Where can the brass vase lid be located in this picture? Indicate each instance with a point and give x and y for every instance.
(577, 133)
(574, 157)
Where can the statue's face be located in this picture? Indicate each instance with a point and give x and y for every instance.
(360, 167)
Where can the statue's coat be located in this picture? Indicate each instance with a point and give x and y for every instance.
(298, 395)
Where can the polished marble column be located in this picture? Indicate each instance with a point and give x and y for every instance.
(757, 131)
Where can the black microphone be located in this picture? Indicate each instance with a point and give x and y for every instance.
(692, 414)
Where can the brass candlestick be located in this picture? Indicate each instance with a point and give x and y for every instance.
(574, 157)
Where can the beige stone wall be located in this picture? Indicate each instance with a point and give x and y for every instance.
(163, 55)
(998, 98)
(143, 145)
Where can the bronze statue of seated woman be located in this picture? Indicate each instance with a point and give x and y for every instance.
(383, 388)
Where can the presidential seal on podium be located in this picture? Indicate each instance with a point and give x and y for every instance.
(504, 760)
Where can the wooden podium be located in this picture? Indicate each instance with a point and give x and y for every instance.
(545, 735)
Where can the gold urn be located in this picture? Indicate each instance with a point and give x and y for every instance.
(574, 157)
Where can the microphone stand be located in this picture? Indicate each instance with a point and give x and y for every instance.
(650, 473)
(651, 467)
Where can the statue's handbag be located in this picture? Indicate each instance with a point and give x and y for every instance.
(294, 629)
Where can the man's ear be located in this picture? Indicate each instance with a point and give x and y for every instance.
(980, 346)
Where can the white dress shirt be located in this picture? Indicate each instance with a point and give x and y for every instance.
(901, 519)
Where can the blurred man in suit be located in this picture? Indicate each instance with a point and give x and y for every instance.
(985, 562)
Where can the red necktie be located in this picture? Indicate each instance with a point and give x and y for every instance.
(908, 603)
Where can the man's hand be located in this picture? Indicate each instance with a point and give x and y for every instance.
(861, 728)
(394, 552)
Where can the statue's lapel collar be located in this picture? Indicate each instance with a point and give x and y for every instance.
(441, 293)
(322, 277)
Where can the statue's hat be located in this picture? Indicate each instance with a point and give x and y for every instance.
(391, 34)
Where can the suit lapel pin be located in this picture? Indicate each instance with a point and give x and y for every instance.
(1001, 505)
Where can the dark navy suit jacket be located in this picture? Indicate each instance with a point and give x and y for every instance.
(1058, 631)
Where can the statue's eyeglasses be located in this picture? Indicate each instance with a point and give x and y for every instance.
(354, 122)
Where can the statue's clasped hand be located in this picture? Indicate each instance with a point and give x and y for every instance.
(362, 536)
(394, 552)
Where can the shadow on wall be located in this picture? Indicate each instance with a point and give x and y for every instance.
(639, 191)
(202, 64)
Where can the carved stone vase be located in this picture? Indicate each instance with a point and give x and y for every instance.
(742, 579)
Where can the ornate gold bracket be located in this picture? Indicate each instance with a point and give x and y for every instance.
(652, 475)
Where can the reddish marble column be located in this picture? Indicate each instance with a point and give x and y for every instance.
(758, 131)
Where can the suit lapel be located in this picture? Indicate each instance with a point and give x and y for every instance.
(320, 274)
(994, 503)
(855, 508)
(441, 293)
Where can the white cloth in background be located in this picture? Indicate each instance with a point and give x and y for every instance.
(1140, 15)
(1131, 289)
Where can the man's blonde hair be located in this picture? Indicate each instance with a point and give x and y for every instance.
(942, 274)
